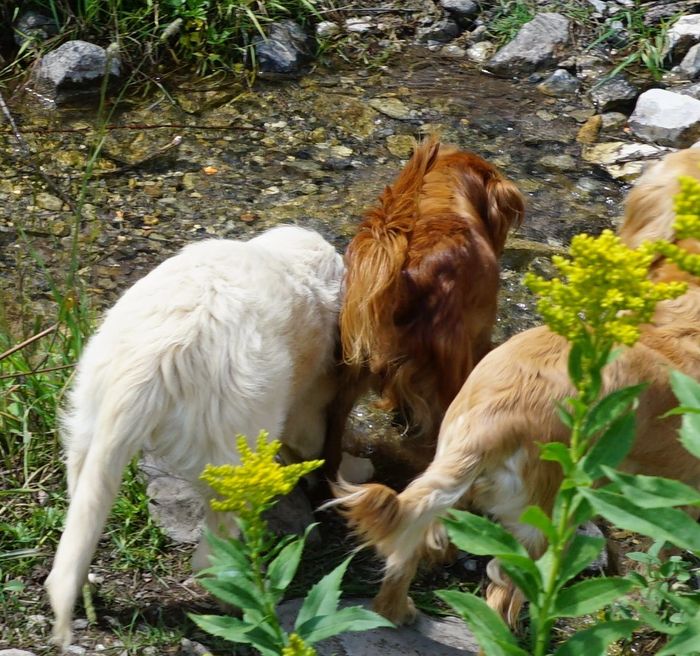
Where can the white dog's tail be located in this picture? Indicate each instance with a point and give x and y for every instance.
(96, 463)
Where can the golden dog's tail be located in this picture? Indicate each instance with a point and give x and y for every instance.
(376, 256)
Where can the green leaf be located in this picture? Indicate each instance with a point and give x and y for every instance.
(582, 551)
(668, 524)
(611, 447)
(232, 592)
(227, 551)
(653, 491)
(353, 618)
(565, 416)
(282, 569)
(523, 572)
(690, 433)
(323, 597)
(595, 641)
(486, 624)
(610, 408)
(535, 516)
(557, 452)
(688, 392)
(589, 596)
(482, 537)
(686, 641)
(686, 389)
(235, 630)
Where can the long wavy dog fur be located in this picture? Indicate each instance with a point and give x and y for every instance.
(224, 338)
(487, 457)
(422, 280)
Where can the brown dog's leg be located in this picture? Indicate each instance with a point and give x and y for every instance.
(352, 383)
(393, 601)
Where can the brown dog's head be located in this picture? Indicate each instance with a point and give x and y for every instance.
(495, 199)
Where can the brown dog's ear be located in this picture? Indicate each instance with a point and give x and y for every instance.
(506, 209)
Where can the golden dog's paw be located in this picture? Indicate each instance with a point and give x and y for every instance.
(398, 612)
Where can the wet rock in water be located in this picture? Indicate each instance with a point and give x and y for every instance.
(400, 145)
(392, 107)
(33, 26)
(46, 201)
(681, 36)
(537, 45)
(453, 50)
(439, 32)
(284, 51)
(588, 133)
(666, 118)
(612, 120)
(622, 160)
(615, 94)
(463, 11)
(690, 66)
(558, 163)
(559, 83)
(481, 52)
(73, 71)
(447, 636)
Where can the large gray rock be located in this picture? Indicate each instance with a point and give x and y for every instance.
(463, 11)
(285, 49)
(537, 45)
(441, 31)
(74, 70)
(428, 636)
(666, 118)
(615, 94)
(33, 26)
(690, 66)
(682, 35)
(178, 508)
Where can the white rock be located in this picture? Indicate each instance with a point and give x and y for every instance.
(622, 160)
(481, 52)
(666, 118)
(682, 35)
(358, 25)
(326, 29)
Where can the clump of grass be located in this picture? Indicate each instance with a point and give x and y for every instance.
(645, 44)
(508, 18)
(208, 35)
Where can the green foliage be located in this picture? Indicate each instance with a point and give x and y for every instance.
(509, 17)
(645, 44)
(253, 572)
(202, 33)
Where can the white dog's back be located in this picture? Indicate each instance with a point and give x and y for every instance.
(224, 338)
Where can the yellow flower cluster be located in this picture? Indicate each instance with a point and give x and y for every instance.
(687, 226)
(297, 647)
(250, 488)
(603, 290)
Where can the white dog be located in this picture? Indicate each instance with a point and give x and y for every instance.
(224, 338)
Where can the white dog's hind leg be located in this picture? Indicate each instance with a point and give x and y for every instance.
(93, 496)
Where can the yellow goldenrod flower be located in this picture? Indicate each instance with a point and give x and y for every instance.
(297, 647)
(250, 488)
(603, 290)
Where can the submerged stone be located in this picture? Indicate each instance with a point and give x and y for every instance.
(74, 70)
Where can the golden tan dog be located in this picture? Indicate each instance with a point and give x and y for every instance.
(487, 457)
(422, 280)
